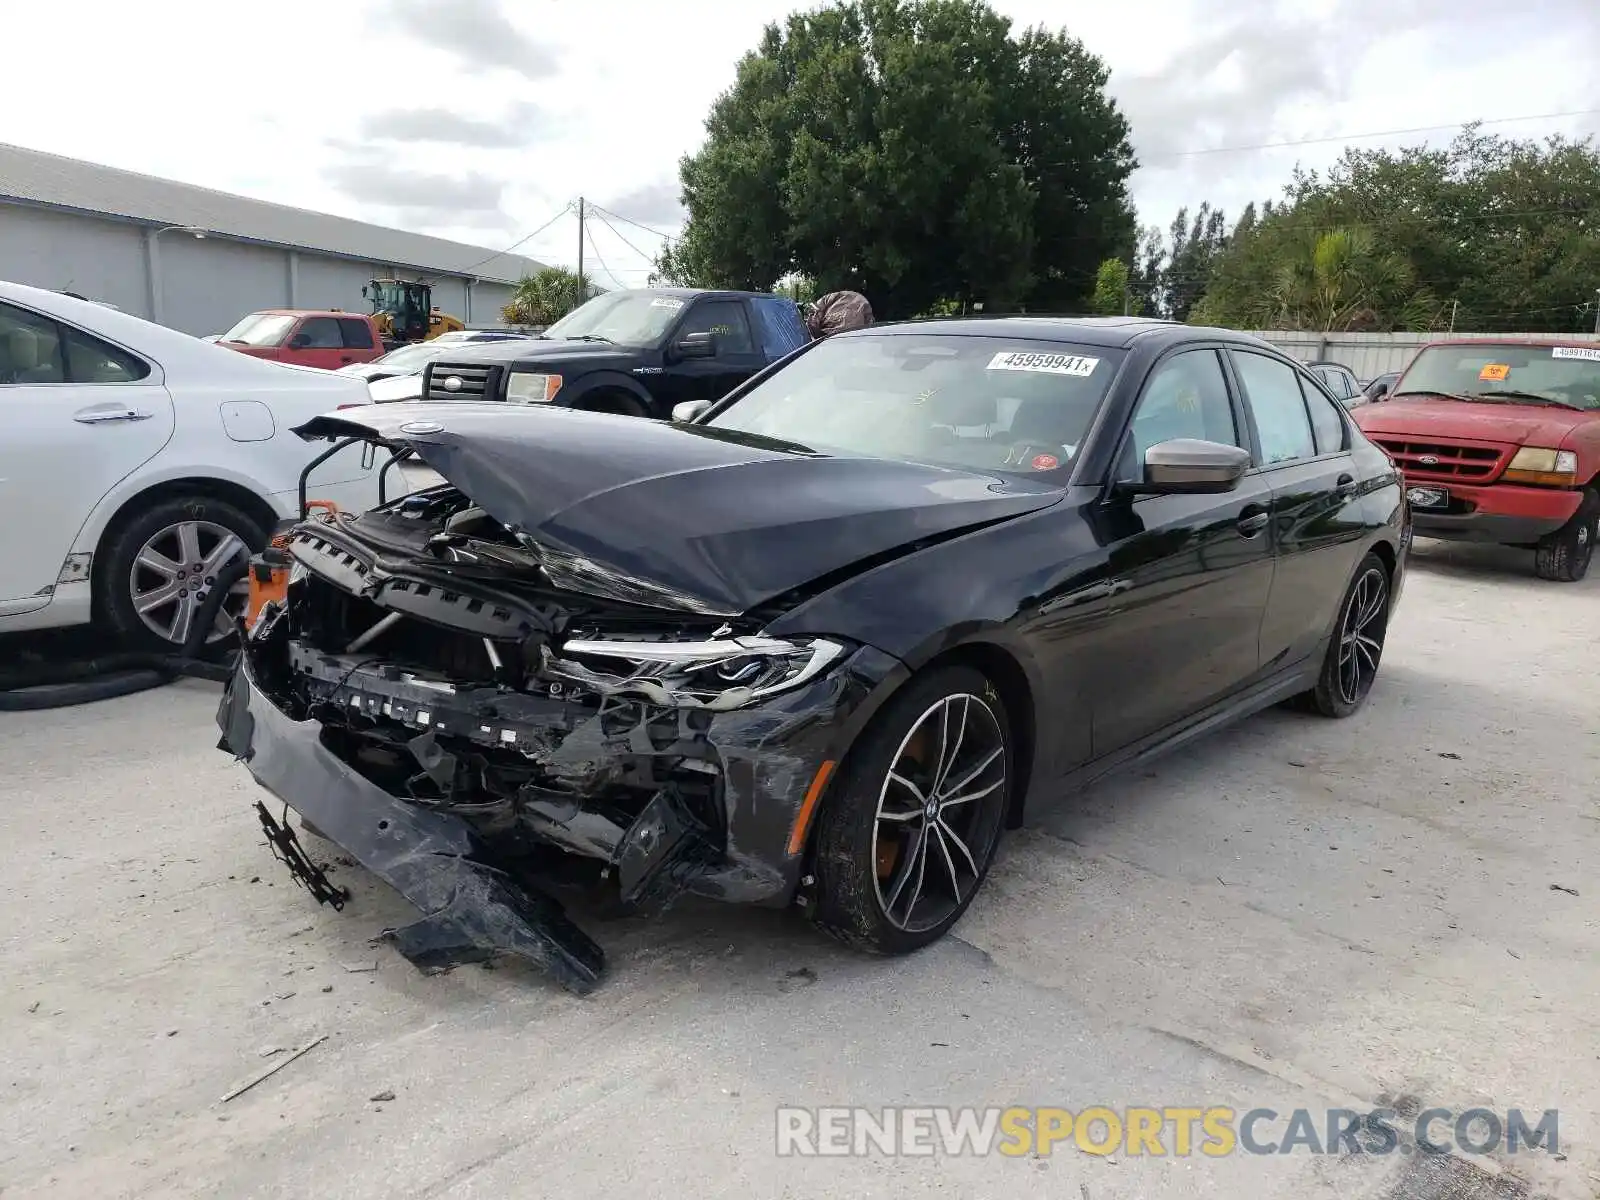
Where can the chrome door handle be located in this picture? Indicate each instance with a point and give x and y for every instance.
(1253, 524)
(121, 414)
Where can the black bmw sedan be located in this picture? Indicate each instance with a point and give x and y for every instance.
(821, 644)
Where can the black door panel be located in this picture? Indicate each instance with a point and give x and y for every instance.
(1191, 587)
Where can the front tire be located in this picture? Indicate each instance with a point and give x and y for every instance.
(1564, 556)
(156, 567)
(1351, 665)
(911, 823)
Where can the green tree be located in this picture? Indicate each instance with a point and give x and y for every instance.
(1338, 280)
(1113, 295)
(1502, 232)
(546, 296)
(915, 151)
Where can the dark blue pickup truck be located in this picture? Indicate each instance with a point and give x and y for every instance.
(636, 352)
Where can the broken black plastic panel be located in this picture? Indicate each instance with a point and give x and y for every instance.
(472, 910)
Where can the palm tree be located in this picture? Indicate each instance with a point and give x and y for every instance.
(1340, 280)
(547, 296)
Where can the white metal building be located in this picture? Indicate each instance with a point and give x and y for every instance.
(129, 239)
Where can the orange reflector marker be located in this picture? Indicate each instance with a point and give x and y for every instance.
(808, 806)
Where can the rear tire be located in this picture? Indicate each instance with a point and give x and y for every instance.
(153, 567)
(1356, 649)
(1564, 556)
(911, 822)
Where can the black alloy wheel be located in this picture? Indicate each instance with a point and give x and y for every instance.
(911, 825)
(1356, 649)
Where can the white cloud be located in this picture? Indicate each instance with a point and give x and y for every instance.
(480, 119)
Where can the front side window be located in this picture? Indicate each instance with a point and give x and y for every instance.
(980, 403)
(1273, 391)
(725, 319)
(1186, 397)
(319, 333)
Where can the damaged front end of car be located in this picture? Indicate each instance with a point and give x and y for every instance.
(483, 738)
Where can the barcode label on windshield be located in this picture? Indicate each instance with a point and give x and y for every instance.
(666, 302)
(1050, 364)
(1591, 353)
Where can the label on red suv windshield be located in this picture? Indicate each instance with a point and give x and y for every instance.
(1495, 372)
(1588, 353)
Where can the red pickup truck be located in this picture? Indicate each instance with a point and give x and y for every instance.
(312, 338)
(1499, 441)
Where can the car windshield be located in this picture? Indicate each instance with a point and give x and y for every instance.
(981, 403)
(626, 318)
(260, 329)
(414, 358)
(1507, 373)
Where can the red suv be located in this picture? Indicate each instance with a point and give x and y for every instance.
(1499, 441)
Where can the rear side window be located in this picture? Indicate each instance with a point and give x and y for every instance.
(30, 348)
(36, 349)
(1273, 391)
(1326, 424)
(357, 334)
(319, 333)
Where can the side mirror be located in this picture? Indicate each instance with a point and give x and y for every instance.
(689, 410)
(300, 341)
(1379, 392)
(1188, 466)
(697, 345)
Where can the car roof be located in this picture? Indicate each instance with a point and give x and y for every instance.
(1512, 339)
(1328, 362)
(1109, 332)
(305, 312)
(696, 293)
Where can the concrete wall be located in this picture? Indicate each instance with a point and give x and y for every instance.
(1373, 354)
(100, 259)
(201, 285)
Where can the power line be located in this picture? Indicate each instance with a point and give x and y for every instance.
(521, 241)
(589, 233)
(600, 213)
(1343, 137)
(637, 225)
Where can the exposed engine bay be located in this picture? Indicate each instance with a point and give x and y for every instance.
(581, 739)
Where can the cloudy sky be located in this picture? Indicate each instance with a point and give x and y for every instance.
(480, 120)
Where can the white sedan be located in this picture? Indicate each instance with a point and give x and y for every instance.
(137, 461)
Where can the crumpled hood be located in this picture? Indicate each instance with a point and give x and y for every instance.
(1510, 424)
(684, 517)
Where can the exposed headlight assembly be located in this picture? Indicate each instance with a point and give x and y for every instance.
(719, 675)
(1535, 464)
(525, 388)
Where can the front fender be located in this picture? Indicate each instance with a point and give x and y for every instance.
(605, 381)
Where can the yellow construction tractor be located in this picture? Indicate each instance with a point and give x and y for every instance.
(404, 312)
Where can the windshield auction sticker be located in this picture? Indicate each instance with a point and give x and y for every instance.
(1590, 353)
(666, 302)
(1049, 364)
(1495, 372)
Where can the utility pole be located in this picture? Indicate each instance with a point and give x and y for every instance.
(1454, 304)
(1597, 310)
(581, 289)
